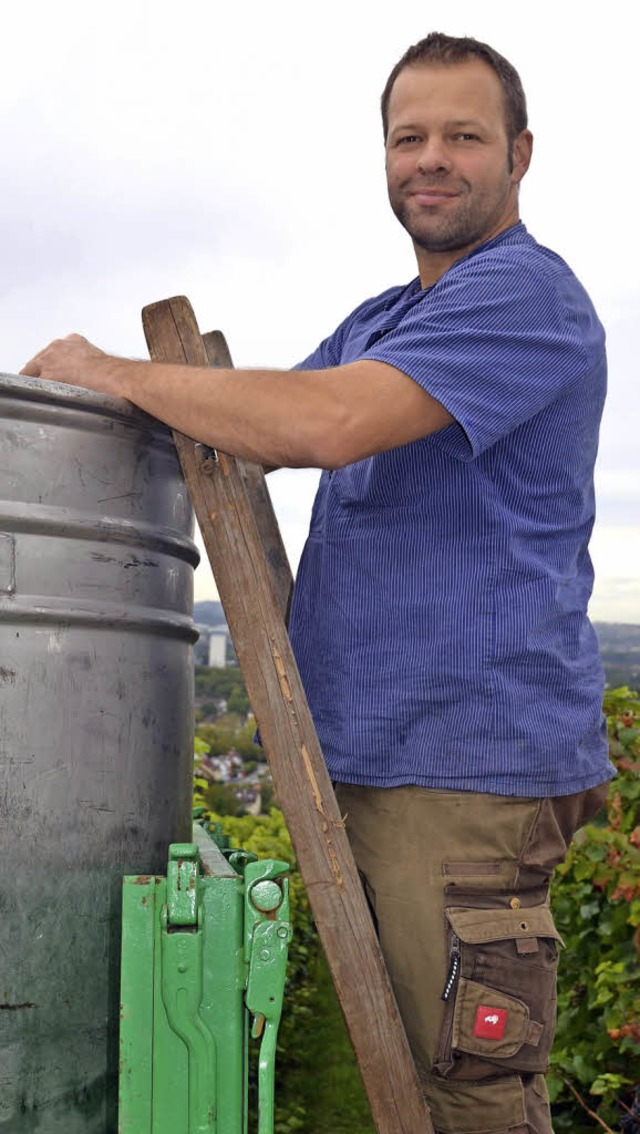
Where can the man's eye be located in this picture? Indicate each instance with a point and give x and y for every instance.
(407, 139)
(466, 137)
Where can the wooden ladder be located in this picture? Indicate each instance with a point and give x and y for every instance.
(252, 574)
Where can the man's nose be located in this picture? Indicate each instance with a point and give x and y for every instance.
(433, 157)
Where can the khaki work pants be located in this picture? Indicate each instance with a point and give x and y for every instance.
(458, 884)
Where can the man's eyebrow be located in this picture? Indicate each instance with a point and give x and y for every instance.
(459, 122)
(405, 126)
(454, 123)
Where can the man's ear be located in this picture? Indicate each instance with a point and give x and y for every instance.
(521, 154)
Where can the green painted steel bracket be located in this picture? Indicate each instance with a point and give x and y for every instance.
(202, 949)
(182, 934)
(267, 936)
(183, 875)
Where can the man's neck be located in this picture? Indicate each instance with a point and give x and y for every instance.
(433, 265)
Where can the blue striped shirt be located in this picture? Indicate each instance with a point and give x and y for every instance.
(439, 615)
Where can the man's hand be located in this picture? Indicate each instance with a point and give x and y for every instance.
(76, 362)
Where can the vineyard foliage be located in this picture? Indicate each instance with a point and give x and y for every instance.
(595, 1064)
(596, 905)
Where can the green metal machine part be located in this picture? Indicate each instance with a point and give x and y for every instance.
(202, 950)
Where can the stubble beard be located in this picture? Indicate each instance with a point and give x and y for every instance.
(469, 221)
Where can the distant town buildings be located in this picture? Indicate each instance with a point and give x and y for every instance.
(217, 655)
(230, 770)
(213, 647)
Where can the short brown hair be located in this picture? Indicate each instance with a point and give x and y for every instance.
(447, 49)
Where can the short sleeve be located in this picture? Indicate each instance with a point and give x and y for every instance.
(346, 337)
(495, 341)
(329, 353)
(324, 356)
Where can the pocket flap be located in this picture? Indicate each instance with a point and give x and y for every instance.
(489, 1023)
(478, 926)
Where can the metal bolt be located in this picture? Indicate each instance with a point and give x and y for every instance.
(182, 968)
(266, 896)
(265, 954)
(283, 931)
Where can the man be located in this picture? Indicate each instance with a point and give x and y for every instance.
(439, 618)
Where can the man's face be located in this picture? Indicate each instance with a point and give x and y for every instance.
(452, 181)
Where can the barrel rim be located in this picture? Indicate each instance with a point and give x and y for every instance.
(53, 393)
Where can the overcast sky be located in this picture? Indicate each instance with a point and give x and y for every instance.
(233, 153)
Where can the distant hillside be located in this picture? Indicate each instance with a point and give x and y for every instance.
(208, 613)
(620, 650)
(614, 637)
(622, 635)
(619, 645)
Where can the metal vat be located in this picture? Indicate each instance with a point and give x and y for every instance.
(96, 729)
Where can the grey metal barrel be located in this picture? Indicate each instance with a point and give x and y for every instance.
(96, 729)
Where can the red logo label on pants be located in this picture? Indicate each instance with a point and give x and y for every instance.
(490, 1022)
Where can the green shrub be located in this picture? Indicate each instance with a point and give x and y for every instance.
(596, 903)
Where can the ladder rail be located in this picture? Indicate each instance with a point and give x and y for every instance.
(254, 611)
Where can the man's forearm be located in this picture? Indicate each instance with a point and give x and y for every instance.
(272, 417)
(314, 418)
(267, 416)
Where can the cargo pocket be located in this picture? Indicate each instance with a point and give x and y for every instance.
(500, 992)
